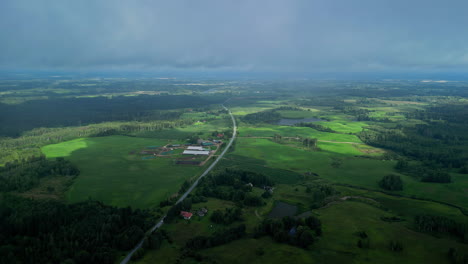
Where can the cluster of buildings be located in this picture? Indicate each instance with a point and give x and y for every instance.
(187, 215)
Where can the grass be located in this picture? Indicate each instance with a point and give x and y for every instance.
(338, 243)
(347, 218)
(344, 126)
(109, 173)
(290, 131)
(65, 149)
(356, 171)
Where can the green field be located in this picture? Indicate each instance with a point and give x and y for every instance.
(363, 172)
(110, 173)
(290, 131)
(338, 243)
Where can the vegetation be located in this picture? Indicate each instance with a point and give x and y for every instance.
(391, 182)
(49, 231)
(299, 232)
(24, 175)
(376, 175)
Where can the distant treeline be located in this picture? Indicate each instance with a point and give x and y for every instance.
(440, 142)
(38, 231)
(24, 175)
(14, 119)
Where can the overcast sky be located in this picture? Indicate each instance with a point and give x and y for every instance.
(250, 35)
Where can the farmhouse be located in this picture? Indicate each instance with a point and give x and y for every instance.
(186, 215)
(196, 152)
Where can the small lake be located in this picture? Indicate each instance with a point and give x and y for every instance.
(291, 122)
(282, 209)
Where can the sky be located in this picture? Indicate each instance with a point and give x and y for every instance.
(236, 35)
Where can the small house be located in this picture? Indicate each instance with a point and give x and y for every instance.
(186, 215)
(202, 212)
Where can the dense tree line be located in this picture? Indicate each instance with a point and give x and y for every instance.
(391, 182)
(299, 232)
(81, 111)
(317, 127)
(234, 185)
(262, 117)
(422, 173)
(34, 231)
(218, 238)
(433, 223)
(152, 241)
(25, 174)
(229, 216)
(320, 193)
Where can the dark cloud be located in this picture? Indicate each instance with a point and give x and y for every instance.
(289, 35)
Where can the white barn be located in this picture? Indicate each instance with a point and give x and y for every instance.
(195, 148)
(196, 152)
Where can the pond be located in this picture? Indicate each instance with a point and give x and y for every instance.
(291, 122)
(282, 209)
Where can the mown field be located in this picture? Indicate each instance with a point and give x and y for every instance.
(110, 173)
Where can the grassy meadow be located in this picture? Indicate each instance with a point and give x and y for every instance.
(110, 173)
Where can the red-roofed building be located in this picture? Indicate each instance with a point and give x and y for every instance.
(220, 135)
(186, 215)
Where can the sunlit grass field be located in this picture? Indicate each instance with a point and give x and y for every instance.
(290, 131)
(356, 171)
(110, 173)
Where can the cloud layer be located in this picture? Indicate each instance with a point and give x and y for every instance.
(271, 35)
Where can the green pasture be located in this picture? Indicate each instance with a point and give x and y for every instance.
(65, 149)
(352, 170)
(110, 173)
(290, 131)
(343, 220)
(405, 207)
(344, 126)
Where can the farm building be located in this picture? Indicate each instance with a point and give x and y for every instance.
(202, 212)
(195, 148)
(196, 152)
(186, 215)
(207, 144)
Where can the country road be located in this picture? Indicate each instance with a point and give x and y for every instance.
(161, 222)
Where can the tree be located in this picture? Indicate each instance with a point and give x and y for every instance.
(391, 182)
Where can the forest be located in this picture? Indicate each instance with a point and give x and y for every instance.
(18, 118)
(24, 175)
(35, 231)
